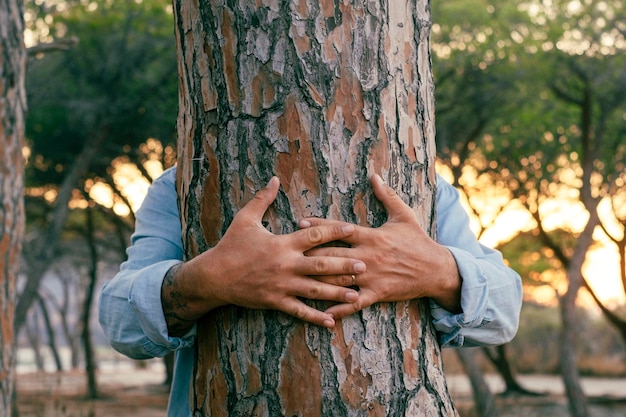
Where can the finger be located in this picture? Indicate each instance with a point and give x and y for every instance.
(392, 202)
(316, 221)
(326, 265)
(315, 290)
(341, 310)
(300, 310)
(345, 280)
(331, 251)
(262, 200)
(319, 235)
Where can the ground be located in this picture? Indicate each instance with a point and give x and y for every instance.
(141, 393)
(123, 393)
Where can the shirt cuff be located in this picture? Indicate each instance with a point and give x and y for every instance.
(474, 297)
(145, 299)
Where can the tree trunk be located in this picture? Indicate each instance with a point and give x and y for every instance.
(322, 95)
(32, 332)
(577, 400)
(12, 108)
(69, 329)
(591, 142)
(52, 344)
(498, 357)
(484, 402)
(90, 361)
(44, 252)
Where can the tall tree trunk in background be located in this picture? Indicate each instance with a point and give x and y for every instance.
(52, 344)
(498, 357)
(578, 404)
(34, 340)
(591, 138)
(12, 109)
(44, 252)
(90, 360)
(322, 94)
(484, 403)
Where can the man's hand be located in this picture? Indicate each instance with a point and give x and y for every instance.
(403, 262)
(254, 268)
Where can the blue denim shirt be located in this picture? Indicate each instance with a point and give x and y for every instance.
(132, 317)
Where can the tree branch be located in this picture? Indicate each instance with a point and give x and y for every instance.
(57, 45)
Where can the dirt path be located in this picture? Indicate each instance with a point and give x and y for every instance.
(140, 393)
(136, 393)
(607, 396)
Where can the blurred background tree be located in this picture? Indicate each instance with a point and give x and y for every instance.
(102, 79)
(12, 114)
(531, 104)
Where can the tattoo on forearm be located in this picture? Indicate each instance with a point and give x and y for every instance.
(174, 304)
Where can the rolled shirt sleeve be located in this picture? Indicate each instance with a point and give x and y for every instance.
(130, 311)
(491, 292)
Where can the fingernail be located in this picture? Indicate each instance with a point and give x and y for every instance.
(348, 228)
(329, 323)
(273, 179)
(352, 296)
(305, 223)
(359, 267)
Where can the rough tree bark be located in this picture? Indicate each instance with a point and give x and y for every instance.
(322, 94)
(12, 109)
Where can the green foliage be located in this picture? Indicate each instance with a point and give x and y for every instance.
(532, 96)
(512, 80)
(119, 83)
(479, 79)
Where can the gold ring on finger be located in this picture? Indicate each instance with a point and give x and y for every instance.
(353, 280)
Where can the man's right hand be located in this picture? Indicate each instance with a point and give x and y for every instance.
(254, 268)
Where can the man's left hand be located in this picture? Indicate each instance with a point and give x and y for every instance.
(402, 261)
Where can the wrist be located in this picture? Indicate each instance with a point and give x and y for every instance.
(184, 297)
(447, 292)
(199, 285)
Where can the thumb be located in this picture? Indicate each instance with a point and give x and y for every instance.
(262, 200)
(393, 203)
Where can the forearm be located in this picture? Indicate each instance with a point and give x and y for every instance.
(175, 306)
(182, 298)
(131, 315)
(446, 285)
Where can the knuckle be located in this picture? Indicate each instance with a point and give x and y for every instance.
(346, 280)
(300, 313)
(320, 267)
(314, 236)
(315, 292)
